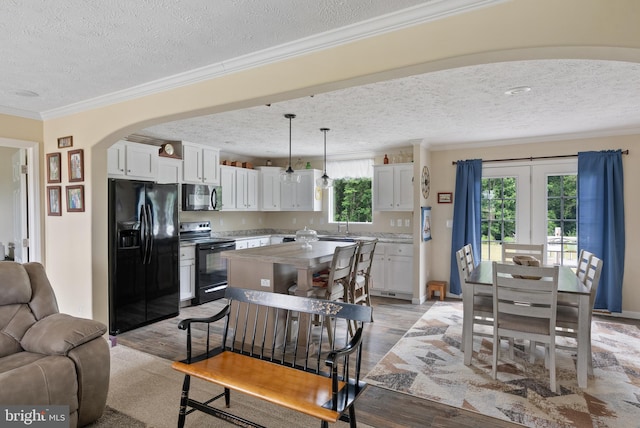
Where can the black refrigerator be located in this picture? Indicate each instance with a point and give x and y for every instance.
(144, 276)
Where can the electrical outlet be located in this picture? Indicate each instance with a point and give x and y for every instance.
(449, 224)
(221, 222)
(407, 222)
(259, 220)
(265, 283)
(244, 221)
(311, 220)
(321, 220)
(399, 222)
(294, 220)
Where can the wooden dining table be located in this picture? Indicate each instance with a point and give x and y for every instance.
(570, 291)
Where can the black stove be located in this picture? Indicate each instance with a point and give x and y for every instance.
(211, 267)
(199, 232)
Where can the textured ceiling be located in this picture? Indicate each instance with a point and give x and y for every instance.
(77, 51)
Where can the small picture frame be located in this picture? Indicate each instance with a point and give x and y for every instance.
(76, 165)
(53, 168)
(75, 198)
(445, 197)
(65, 142)
(426, 223)
(54, 196)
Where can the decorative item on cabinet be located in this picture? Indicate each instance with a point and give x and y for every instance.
(168, 150)
(386, 160)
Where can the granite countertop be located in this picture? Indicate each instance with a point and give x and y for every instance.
(290, 253)
(393, 238)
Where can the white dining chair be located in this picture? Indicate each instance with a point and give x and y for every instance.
(510, 249)
(567, 316)
(583, 264)
(525, 308)
(482, 303)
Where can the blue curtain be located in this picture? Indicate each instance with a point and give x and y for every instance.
(601, 221)
(466, 215)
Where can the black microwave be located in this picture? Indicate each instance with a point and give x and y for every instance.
(201, 197)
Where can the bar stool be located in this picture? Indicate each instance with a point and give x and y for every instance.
(439, 286)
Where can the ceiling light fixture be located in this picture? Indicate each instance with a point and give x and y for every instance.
(518, 90)
(289, 176)
(324, 182)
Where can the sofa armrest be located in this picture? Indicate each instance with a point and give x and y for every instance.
(57, 334)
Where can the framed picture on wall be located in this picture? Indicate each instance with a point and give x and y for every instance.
(426, 223)
(75, 199)
(54, 195)
(53, 168)
(76, 165)
(445, 197)
(65, 142)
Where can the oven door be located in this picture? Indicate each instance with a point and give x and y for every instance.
(211, 271)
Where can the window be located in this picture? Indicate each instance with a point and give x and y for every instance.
(350, 197)
(530, 204)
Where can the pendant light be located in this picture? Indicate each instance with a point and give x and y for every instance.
(289, 176)
(324, 182)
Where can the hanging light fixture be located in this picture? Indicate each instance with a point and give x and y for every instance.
(324, 182)
(289, 176)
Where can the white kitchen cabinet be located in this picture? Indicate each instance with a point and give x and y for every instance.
(252, 242)
(393, 187)
(169, 170)
(239, 188)
(392, 271)
(246, 189)
(269, 188)
(187, 272)
(133, 161)
(303, 196)
(200, 164)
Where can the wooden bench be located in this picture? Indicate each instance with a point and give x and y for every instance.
(306, 373)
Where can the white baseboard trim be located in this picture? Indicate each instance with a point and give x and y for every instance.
(624, 314)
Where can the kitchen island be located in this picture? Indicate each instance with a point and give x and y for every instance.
(276, 267)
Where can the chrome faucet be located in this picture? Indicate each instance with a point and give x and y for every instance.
(346, 227)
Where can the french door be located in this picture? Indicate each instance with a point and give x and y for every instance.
(530, 204)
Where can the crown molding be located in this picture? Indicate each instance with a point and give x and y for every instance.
(538, 139)
(405, 18)
(20, 113)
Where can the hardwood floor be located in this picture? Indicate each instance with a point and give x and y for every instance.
(377, 407)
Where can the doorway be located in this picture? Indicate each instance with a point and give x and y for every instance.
(534, 203)
(19, 189)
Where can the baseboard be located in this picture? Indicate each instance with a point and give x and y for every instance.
(624, 314)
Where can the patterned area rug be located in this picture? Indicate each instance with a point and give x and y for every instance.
(427, 363)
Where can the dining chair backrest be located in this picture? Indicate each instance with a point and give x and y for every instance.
(510, 249)
(466, 263)
(592, 277)
(340, 271)
(361, 275)
(583, 264)
(525, 300)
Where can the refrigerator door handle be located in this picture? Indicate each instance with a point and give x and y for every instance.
(149, 233)
(143, 233)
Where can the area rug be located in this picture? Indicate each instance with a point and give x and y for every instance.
(144, 391)
(427, 363)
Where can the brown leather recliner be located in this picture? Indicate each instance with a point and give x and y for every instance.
(49, 358)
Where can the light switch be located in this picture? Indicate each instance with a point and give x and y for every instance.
(311, 220)
(407, 222)
(391, 223)
(399, 222)
(294, 220)
(449, 224)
